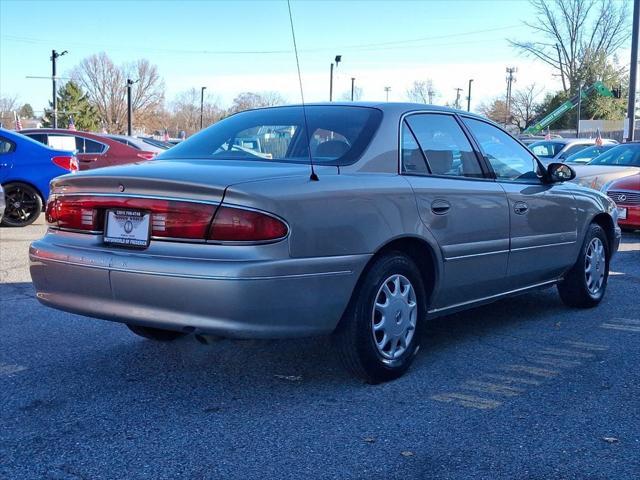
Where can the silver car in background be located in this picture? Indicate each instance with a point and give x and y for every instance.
(357, 220)
(560, 149)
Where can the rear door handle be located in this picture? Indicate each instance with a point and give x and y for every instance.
(520, 208)
(440, 207)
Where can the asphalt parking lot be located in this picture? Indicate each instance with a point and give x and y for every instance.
(521, 389)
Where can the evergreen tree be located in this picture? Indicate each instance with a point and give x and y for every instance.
(72, 101)
(26, 111)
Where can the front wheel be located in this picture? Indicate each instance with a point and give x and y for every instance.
(24, 205)
(379, 333)
(584, 285)
(157, 334)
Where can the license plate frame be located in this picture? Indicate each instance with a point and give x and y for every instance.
(127, 228)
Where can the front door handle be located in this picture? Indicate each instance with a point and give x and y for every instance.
(440, 207)
(520, 208)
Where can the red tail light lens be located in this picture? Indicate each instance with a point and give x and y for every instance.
(67, 162)
(169, 219)
(238, 225)
(146, 155)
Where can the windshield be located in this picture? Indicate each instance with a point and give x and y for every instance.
(622, 155)
(339, 135)
(587, 154)
(546, 149)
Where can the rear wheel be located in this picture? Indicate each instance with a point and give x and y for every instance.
(584, 285)
(24, 205)
(157, 334)
(379, 333)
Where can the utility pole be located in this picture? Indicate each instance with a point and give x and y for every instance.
(129, 107)
(510, 80)
(457, 104)
(54, 103)
(387, 90)
(202, 89)
(430, 93)
(337, 60)
(633, 73)
(578, 112)
(353, 86)
(469, 96)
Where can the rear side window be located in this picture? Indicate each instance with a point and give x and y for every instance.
(443, 144)
(38, 137)
(336, 135)
(93, 147)
(6, 146)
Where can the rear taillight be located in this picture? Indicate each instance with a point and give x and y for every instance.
(68, 162)
(146, 155)
(169, 218)
(239, 225)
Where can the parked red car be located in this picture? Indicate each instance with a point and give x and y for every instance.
(92, 151)
(626, 193)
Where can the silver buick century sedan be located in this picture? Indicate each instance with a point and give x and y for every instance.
(357, 220)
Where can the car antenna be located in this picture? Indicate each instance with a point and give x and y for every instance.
(313, 176)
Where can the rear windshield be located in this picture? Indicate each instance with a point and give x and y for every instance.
(546, 149)
(338, 136)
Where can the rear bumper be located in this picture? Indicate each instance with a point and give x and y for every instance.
(262, 298)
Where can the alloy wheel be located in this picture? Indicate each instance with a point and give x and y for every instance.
(595, 266)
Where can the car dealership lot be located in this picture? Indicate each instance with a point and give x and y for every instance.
(524, 388)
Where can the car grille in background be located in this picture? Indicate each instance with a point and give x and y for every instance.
(624, 198)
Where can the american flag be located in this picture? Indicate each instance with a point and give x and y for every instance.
(548, 134)
(166, 135)
(16, 117)
(599, 141)
(72, 126)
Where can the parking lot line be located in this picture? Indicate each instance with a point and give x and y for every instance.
(556, 362)
(467, 401)
(566, 353)
(587, 346)
(496, 388)
(7, 369)
(624, 328)
(540, 372)
(509, 379)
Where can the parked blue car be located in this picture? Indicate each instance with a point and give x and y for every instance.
(26, 168)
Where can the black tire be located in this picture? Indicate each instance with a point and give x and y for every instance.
(354, 338)
(574, 289)
(156, 334)
(24, 205)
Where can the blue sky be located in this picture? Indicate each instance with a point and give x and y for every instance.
(197, 43)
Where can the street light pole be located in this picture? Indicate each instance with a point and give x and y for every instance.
(337, 60)
(129, 107)
(54, 103)
(469, 96)
(579, 109)
(633, 73)
(202, 89)
(353, 84)
(387, 89)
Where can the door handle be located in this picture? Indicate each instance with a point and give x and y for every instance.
(520, 208)
(440, 207)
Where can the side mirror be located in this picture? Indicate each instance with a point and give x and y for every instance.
(560, 172)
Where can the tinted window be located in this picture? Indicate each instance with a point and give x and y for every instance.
(6, 146)
(93, 147)
(573, 149)
(124, 141)
(338, 136)
(38, 137)
(444, 145)
(509, 159)
(586, 154)
(546, 149)
(622, 155)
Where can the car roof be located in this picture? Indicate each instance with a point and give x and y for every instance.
(18, 136)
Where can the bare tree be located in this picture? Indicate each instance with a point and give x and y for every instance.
(105, 84)
(422, 92)
(250, 100)
(7, 106)
(572, 34)
(495, 110)
(524, 105)
(357, 94)
(185, 112)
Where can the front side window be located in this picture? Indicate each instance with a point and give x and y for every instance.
(445, 147)
(6, 146)
(337, 136)
(508, 159)
(63, 142)
(38, 137)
